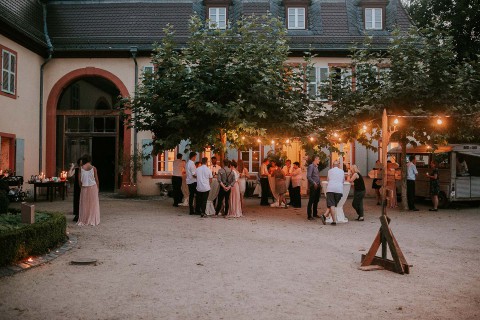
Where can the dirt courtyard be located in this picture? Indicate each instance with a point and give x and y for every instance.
(157, 262)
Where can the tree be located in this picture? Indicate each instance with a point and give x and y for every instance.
(458, 19)
(224, 85)
(418, 78)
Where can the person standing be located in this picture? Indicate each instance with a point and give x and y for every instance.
(358, 191)
(377, 181)
(191, 180)
(74, 172)
(336, 178)
(89, 205)
(178, 168)
(264, 182)
(314, 187)
(204, 179)
(214, 167)
(287, 170)
(295, 198)
(280, 186)
(411, 177)
(434, 185)
(226, 179)
(235, 208)
(242, 181)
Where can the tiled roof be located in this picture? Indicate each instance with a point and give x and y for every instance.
(23, 18)
(117, 25)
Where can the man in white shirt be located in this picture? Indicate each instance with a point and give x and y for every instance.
(411, 177)
(336, 178)
(191, 180)
(214, 167)
(178, 167)
(204, 179)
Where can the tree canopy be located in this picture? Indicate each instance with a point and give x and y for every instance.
(458, 19)
(225, 85)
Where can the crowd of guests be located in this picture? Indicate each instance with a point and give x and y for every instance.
(231, 178)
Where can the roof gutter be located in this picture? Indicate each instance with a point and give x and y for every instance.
(42, 67)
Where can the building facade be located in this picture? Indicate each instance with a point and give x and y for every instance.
(65, 65)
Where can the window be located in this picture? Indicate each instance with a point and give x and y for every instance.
(296, 18)
(9, 69)
(75, 96)
(373, 19)
(318, 81)
(164, 161)
(251, 159)
(218, 18)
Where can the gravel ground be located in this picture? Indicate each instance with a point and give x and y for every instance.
(157, 262)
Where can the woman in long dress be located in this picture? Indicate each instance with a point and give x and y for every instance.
(280, 186)
(235, 209)
(89, 208)
(242, 181)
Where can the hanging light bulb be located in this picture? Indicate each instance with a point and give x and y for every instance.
(395, 122)
(439, 121)
(311, 139)
(335, 134)
(258, 140)
(364, 127)
(273, 142)
(243, 138)
(288, 141)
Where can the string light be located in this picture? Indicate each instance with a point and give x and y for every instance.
(288, 141)
(395, 121)
(439, 121)
(258, 140)
(273, 142)
(364, 127)
(243, 138)
(311, 139)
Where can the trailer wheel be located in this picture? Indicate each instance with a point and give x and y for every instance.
(443, 201)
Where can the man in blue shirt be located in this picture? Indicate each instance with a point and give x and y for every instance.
(314, 187)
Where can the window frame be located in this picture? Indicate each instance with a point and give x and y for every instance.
(158, 159)
(373, 22)
(11, 53)
(296, 8)
(215, 23)
(319, 83)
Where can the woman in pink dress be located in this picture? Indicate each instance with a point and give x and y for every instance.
(89, 211)
(242, 181)
(235, 209)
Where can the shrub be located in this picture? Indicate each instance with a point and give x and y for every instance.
(4, 202)
(18, 241)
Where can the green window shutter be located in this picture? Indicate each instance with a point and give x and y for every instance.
(19, 157)
(147, 164)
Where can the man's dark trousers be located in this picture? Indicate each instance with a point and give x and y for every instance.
(192, 189)
(177, 190)
(222, 194)
(201, 204)
(313, 200)
(411, 194)
(265, 191)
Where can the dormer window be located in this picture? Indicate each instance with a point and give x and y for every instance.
(296, 18)
(373, 18)
(217, 17)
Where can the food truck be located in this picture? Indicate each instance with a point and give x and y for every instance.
(458, 170)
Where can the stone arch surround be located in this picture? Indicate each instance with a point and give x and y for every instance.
(51, 110)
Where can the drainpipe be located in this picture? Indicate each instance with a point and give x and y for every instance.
(42, 67)
(133, 51)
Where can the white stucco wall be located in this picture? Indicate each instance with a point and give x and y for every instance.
(20, 116)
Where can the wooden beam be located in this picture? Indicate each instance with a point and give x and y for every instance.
(386, 264)
(394, 249)
(372, 252)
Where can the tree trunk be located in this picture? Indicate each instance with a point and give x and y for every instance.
(223, 146)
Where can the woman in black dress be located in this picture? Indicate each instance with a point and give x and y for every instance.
(74, 171)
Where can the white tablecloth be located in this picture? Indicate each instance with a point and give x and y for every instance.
(212, 195)
(339, 209)
(271, 182)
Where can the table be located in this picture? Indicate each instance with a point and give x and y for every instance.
(51, 187)
(271, 182)
(339, 209)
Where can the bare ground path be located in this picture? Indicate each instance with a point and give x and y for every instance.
(157, 262)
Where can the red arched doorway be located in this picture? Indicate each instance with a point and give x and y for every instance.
(54, 97)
